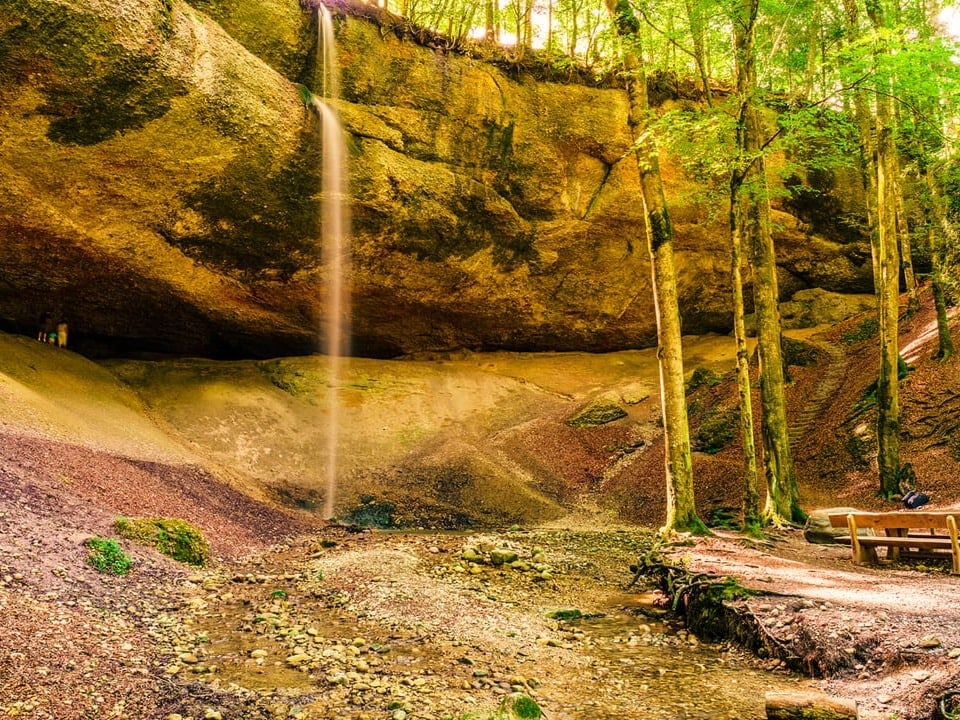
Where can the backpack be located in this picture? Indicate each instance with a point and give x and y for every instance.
(913, 499)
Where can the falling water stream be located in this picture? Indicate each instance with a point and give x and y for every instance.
(335, 245)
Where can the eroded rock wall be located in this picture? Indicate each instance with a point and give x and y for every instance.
(162, 192)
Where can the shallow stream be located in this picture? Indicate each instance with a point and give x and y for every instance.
(355, 639)
(646, 669)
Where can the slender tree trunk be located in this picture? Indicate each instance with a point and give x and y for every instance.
(813, 50)
(888, 288)
(490, 28)
(782, 491)
(945, 346)
(866, 156)
(550, 27)
(528, 24)
(903, 235)
(888, 305)
(681, 510)
(932, 213)
(752, 519)
(695, 18)
(574, 29)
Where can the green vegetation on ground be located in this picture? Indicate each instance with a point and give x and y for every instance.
(107, 556)
(173, 537)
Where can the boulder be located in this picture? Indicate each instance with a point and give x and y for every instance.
(816, 306)
(818, 530)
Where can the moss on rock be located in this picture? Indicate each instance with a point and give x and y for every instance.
(597, 413)
(173, 537)
(257, 219)
(279, 33)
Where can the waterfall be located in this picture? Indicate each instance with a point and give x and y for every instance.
(327, 53)
(335, 244)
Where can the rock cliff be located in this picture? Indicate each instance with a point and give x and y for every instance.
(162, 192)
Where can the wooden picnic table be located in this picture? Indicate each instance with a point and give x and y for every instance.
(915, 532)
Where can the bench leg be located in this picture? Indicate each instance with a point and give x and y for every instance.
(955, 547)
(861, 555)
(893, 552)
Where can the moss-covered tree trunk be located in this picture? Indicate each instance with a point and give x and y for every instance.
(888, 284)
(754, 220)
(888, 306)
(681, 508)
(752, 519)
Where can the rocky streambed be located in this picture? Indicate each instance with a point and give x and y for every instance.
(388, 625)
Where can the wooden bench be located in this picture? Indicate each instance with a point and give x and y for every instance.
(906, 532)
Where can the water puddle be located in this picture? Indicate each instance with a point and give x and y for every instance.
(645, 669)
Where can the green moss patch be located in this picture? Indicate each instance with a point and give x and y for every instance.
(702, 377)
(95, 88)
(126, 94)
(259, 220)
(371, 513)
(173, 537)
(596, 414)
(716, 430)
(798, 353)
(295, 381)
(518, 706)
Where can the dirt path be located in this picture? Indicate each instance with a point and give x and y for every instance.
(887, 637)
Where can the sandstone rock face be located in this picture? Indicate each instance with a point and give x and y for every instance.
(162, 192)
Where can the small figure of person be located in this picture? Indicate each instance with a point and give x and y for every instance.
(62, 333)
(44, 325)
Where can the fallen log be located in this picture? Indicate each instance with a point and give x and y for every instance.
(809, 706)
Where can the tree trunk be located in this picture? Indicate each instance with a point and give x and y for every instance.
(903, 236)
(681, 509)
(695, 18)
(490, 28)
(932, 213)
(813, 50)
(751, 494)
(945, 347)
(528, 24)
(888, 289)
(866, 159)
(550, 28)
(782, 492)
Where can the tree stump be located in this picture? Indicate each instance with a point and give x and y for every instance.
(809, 706)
